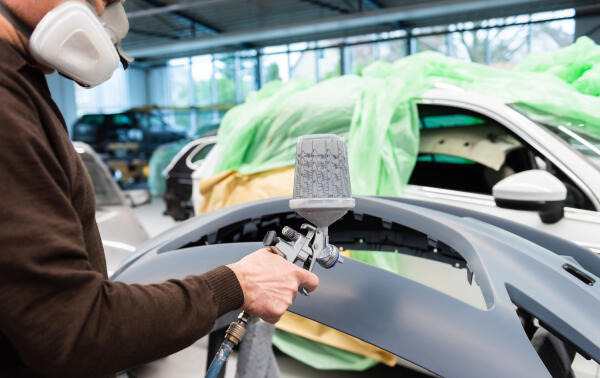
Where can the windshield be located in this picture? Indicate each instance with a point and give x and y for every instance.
(581, 135)
(106, 195)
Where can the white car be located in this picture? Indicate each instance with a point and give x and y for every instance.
(484, 154)
(120, 229)
(473, 146)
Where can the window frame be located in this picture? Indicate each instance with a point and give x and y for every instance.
(199, 148)
(517, 124)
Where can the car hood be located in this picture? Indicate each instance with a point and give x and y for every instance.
(121, 234)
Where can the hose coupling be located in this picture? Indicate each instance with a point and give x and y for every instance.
(235, 333)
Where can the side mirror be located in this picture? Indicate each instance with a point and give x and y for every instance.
(535, 190)
(138, 197)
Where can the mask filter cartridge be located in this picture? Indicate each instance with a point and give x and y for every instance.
(73, 40)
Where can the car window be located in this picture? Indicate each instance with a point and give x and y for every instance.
(152, 122)
(86, 129)
(156, 123)
(122, 120)
(433, 120)
(582, 136)
(466, 151)
(202, 154)
(106, 194)
(123, 128)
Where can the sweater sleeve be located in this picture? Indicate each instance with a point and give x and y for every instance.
(63, 318)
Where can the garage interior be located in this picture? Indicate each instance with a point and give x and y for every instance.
(204, 71)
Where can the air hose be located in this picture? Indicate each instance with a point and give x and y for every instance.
(234, 335)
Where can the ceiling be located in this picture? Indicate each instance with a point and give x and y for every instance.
(162, 29)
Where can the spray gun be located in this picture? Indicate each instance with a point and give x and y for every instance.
(307, 248)
(322, 195)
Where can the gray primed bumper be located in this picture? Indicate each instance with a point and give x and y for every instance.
(424, 326)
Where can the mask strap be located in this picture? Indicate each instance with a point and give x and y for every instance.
(92, 5)
(15, 21)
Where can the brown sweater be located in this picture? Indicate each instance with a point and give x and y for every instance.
(59, 315)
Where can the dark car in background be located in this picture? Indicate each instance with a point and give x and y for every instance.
(125, 141)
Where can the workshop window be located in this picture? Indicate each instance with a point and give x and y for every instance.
(329, 63)
(303, 64)
(391, 51)
(360, 56)
(224, 77)
(110, 97)
(508, 45)
(275, 64)
(246, 79)
(203, 91)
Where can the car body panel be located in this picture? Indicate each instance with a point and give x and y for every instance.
(120, 230)
(435, 331)
(121, 233)
(580, 226)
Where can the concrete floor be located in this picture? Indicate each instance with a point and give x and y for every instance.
(191, 362)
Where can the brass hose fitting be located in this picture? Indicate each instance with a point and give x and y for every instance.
(237, 330)
(235, 333)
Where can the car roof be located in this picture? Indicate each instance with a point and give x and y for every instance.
(449, 92)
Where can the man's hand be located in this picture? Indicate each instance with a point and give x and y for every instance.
(270, 283)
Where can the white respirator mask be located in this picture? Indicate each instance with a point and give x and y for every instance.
(78, 43)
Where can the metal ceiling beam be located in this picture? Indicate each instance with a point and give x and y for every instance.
(373, 4)
(207, 29)
(376, 5)
(355, 20)
(169, 8)
(152, 33)
(326, 5)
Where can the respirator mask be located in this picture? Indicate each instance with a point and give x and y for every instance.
(78, 43)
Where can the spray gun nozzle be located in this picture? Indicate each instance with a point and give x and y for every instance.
(290, 233)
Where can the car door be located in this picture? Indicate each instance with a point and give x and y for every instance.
(464, 153)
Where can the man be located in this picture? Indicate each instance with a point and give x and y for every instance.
(59, 314)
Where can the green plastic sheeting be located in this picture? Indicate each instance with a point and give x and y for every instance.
(320, 356)
(384, 260)
(577, 64)
(261, 134)
(162, 156)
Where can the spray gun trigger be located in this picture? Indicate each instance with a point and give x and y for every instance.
(270, 239)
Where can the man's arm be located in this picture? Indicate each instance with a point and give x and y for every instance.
(63, 318)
